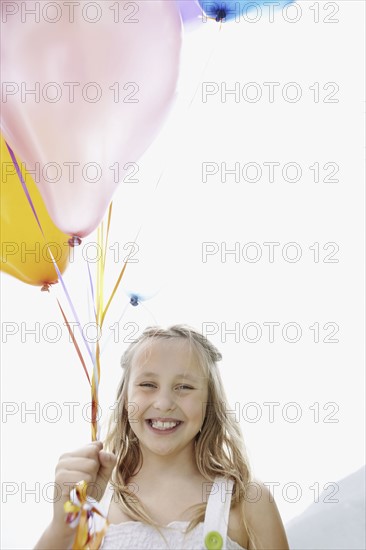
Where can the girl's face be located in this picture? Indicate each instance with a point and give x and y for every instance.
(167, 396)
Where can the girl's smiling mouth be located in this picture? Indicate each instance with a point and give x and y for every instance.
(163, 425)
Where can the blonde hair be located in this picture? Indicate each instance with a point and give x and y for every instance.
(219, 446)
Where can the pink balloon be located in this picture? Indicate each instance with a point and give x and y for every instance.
(103, 76)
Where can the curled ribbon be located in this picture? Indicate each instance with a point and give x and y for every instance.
(82, 512)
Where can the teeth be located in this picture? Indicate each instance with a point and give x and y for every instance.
(163, 425)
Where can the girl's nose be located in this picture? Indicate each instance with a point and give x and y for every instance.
(164, 401)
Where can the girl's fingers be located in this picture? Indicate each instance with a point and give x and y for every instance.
(91, 450)
(89, 465)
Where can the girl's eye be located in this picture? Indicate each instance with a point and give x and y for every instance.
(151, 385)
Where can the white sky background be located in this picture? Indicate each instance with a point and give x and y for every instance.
(183, 213)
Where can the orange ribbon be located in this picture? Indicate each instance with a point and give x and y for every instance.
(81, 511)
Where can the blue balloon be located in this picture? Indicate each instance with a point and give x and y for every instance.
(227, 10)
(137, 298)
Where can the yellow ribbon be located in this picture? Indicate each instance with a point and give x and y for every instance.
(81, 511)
(101, 312)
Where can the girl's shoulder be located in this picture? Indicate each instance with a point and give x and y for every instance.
(262, 516)
(236, 529)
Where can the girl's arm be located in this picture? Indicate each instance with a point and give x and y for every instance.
(264, 520)
(91, 464)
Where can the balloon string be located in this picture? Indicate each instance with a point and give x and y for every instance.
(99, 307)
(107, 236)
(91, 301)
(25, 189)
(205, 67)
(98, 273)
(101, 271)
(94, 395)
(117, 283)
(148, 310)
(114, 291)
(91, 288)
(122, 316)
(102, 246)
(74, 341)
(73, 309)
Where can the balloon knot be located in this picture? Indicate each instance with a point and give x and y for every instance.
(220, 15)
(74, 241)
(46, 286)
(134, 301)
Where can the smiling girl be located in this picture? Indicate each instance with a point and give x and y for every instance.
(180, 477)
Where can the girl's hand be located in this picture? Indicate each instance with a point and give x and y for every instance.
(91, 464)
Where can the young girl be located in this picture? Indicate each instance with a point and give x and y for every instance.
(180, 477)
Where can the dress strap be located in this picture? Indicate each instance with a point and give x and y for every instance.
(217, 514)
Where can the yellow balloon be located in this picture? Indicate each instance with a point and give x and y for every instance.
(25, 253)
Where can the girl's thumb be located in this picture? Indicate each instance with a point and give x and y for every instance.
(108, 462)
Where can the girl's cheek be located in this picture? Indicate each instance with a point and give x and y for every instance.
(133, 393)
(139, 399)
(132, 410)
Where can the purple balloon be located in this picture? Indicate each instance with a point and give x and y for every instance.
(190, 10)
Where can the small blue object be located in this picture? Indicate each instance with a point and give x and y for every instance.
(227, 10)
(134, 300)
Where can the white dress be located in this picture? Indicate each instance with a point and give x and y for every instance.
(135, 535)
